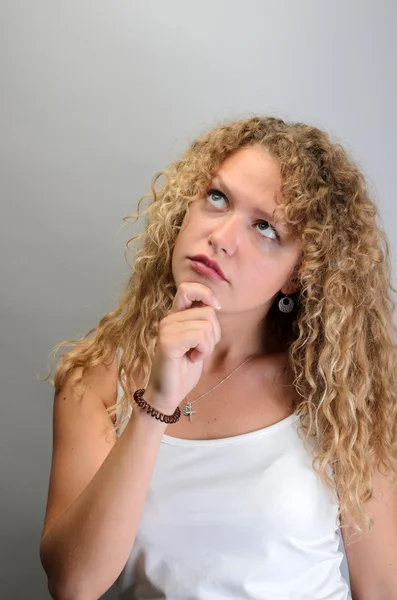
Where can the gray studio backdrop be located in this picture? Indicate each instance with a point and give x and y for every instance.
(95, 98)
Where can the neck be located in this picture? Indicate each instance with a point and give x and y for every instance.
(234, 348)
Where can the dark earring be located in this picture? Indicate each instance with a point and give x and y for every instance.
(286, 304)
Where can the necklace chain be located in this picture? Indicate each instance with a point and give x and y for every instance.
(187, 411)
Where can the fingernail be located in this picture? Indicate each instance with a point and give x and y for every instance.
(216, 302)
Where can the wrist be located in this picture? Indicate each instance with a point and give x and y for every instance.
(150, 403)
(141, 418)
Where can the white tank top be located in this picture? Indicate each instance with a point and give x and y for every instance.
(240, 517)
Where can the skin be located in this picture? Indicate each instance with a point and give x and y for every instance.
(257, 269)
(231, 229)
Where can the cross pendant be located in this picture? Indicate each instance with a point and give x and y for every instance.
(188, 411)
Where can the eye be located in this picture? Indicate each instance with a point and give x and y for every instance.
(214, 192)
(268, 226)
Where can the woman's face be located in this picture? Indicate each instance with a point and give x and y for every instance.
(232, 224)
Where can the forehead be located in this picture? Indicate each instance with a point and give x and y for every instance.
(252, 168)
(251, 178)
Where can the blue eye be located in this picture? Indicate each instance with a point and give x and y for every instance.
(269, 227)
(214, 192)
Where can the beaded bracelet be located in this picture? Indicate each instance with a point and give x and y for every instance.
(155, 413)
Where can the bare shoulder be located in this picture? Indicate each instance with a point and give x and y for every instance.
(102, 381)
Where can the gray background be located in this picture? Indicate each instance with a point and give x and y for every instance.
(95, 98)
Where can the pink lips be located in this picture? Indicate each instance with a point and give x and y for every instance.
(204, 269)
(212, 264)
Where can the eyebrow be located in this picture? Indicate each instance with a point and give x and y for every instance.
(230, 193)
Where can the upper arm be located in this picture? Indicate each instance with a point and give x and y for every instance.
(372, 561)
(82, 438)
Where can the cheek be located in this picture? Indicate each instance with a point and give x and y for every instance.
(181, 245)
(184, 230)
(180, 241)
(262, 275)
(189, 229)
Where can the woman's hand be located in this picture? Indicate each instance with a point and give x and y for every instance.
(186, 335)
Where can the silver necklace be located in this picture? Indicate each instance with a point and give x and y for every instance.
(187, 409)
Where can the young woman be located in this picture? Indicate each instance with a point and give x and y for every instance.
(239, 405)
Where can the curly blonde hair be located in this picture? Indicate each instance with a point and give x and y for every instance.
(340, 337)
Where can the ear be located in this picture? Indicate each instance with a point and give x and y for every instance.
(292, 285)
(289, 288)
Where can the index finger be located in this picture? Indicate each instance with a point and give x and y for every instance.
(189, 293)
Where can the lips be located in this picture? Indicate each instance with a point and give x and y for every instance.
(212, 264)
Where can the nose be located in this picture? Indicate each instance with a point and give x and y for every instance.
(227, 235)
